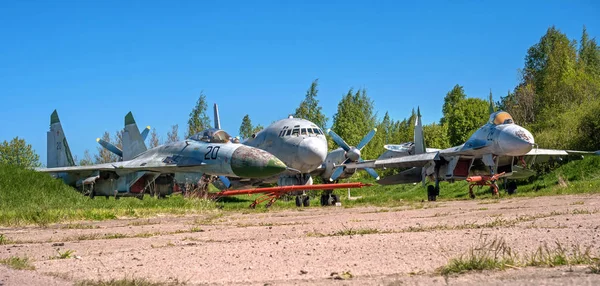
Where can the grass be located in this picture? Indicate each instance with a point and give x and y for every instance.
(125, 282)
(497, 255)
(19, 263)
(5, 240)
(29, 197)
(64, 254)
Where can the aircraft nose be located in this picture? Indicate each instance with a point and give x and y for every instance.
(312, 151)
(249, 162)
(516, 141)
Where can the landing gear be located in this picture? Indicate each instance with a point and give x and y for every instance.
(432, 193)
(329, 199)
(302, 200)
(511, 189)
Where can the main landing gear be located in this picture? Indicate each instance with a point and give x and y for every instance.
(328, 198)
(432, 192)
(302, 200)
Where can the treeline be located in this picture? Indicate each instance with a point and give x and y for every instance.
(557, 99)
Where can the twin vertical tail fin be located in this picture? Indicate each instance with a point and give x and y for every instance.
(419, 140)
(133, 142)
(217, 119)
(58, 152)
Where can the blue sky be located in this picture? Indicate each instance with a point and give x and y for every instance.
(96, 60)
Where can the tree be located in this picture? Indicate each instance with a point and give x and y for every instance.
(246, 129)
(105, 156)
(119, 138)
(354, 119)
(257, 128)
(18, 152)
(436, 136)
(199, 120)
(154, 139)
(172, 135)
(309, 108)
(451, 99)
(87, 159)
(465, 117)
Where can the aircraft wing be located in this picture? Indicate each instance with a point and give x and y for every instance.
(124, 167)
(418, 160)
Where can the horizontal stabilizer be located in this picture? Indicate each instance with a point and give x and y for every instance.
(412, 175)
(145, 133)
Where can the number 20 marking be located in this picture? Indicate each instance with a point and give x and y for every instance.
(212, 153)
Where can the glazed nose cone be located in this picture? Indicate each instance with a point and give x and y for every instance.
(312, 151)
(249, 162)
(516, 141)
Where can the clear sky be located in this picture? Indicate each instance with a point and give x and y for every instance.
(94, 61)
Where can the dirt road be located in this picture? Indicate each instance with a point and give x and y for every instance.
(370, 245)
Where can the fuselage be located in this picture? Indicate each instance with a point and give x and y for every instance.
(499, 137)
(299, 143)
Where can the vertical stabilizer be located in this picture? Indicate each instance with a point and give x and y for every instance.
(58, 152)
(492, 108)
(133, 143)
(418, 139)
(217, 119)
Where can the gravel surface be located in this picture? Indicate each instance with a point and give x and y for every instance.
(401, 245)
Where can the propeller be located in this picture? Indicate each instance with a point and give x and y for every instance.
(352, 153)
(110, 147)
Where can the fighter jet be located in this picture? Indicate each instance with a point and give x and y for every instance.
(302, 146)
(500, 145)
(209, 152)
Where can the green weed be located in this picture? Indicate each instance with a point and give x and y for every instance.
(64, 254)
(19, 263)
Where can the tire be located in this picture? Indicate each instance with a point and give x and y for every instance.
(431, 193)
(92, 194)
(323, 200)
(512, 188)
(306, 201)
(298, 201)
(335, 199)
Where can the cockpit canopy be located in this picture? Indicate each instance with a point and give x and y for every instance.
(501, 117)
(211, 135)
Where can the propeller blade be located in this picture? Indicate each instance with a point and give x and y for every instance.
(225, 181)
(373, 173)
(145, 133)
(337, 173)
(366, 139)
(110, 147)
(338, 140)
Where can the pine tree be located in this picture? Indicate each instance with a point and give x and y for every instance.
(246, 128)
(199, 120)
(87, 159)
(309, 108)
(154, 139)
(18, 152)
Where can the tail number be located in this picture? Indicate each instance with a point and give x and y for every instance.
(212, 153)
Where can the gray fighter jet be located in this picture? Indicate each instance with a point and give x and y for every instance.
(500, 146)
(209, 152)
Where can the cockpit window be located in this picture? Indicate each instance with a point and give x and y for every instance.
(310, 131)
(316, 131)
(303, 131)
(212, 136)
(501, 117)
(296, 131)
(289, 131)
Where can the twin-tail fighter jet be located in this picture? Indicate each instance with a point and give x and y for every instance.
(500, 146)
(209, 152)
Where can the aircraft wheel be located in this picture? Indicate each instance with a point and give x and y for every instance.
(92, 194)
(324, 200)
(512, 188)
(334, 199)
(106, 197)
(431, 193)
(306, 201)
(298, 201)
